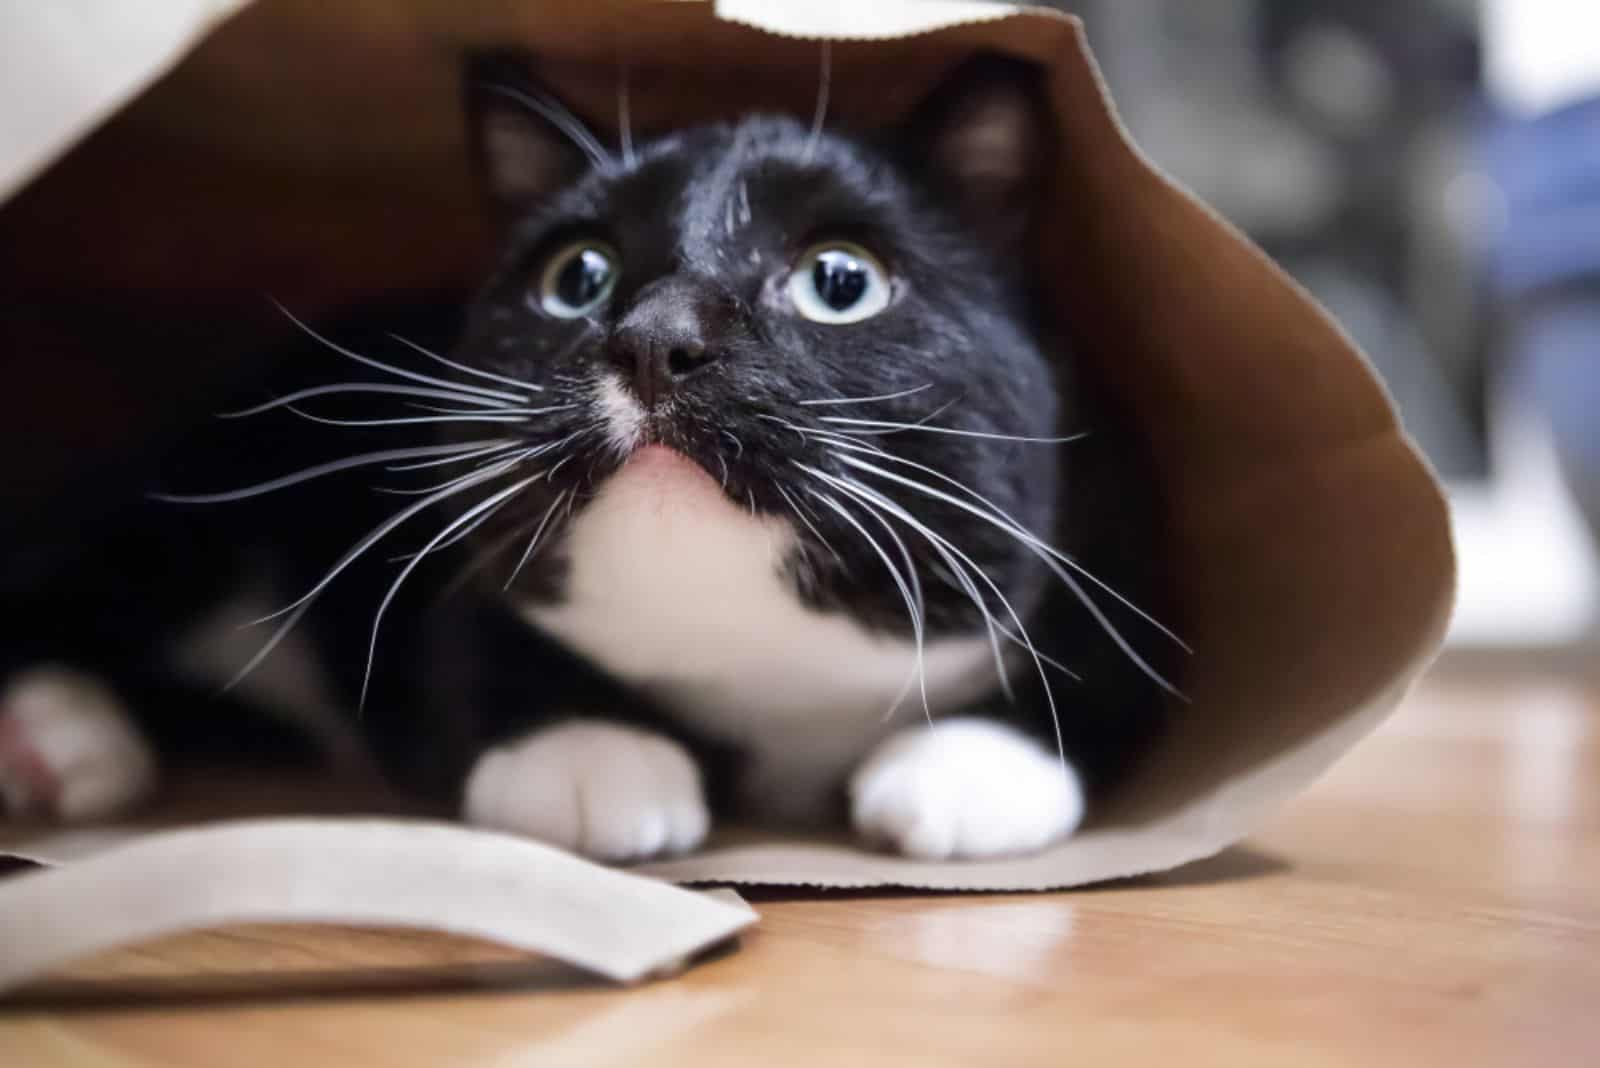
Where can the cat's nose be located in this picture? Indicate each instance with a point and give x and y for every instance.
(673, 329)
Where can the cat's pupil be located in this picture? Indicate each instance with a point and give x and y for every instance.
(840, 279)
(584, 278)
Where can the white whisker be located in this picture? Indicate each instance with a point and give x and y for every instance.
(625, 117)
(1027, 643)
(454, 452)
(801, 515)
(1019, 529)
(534, 541)
(958, 571)
(501, 446)
(410, 420)
(436, 410)
(299, 607)
(385, 528)
(900, 582)
(405, 572)
(562, 120)
(868, 400)
(400, 371)
(884, 426)
(460, 535)
(824, 88)
(505, 380)
(360, 387)
(1048, 555)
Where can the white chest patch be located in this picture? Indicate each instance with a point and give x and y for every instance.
(675, 589)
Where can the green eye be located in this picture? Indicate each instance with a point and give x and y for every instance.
(578, 279)
(839, 282)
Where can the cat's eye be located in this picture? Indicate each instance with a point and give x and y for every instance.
(839, 282)
(577, 279)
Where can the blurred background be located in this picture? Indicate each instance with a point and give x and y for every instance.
(1431, 172)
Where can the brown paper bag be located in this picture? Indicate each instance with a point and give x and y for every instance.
(1310, 542)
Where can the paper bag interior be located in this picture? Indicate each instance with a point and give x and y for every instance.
(1309, 543)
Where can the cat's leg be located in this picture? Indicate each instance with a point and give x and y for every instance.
(607, 790)
(68, 748)
(965, 788)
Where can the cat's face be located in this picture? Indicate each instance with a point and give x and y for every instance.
(818, 321)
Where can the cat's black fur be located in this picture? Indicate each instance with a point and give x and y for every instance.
(707, 222)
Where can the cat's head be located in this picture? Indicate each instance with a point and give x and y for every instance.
(836, 327)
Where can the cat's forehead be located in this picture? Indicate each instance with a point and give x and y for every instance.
(757, 182)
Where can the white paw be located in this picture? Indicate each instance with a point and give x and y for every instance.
(610, 792)
(964, 788)
(68, 749)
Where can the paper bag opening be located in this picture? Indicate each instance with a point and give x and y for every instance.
(1309, 542)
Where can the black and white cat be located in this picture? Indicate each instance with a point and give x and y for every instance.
(771, 490)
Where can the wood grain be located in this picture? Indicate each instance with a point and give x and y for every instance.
(1433, 901)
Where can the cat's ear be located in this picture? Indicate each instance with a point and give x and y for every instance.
(525, 143)
(985, 136)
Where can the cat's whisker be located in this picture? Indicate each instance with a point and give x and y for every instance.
(886, 427)
(1047, 660)
(410, 420)
(501, 446)
(873, 499)
(827, 401)
(559, 464)
(486, 557)
(466, 517)
(562, 119)
(1018, 529)
(949, 550)
(1050, 557)
(500, 455)
(298, 609)
(800, 431)
(460, 535)
(368, 361)
(963, 580)
(505, 380)
(361, 387)
(915, 672)
(534, 541)
(546, 410)
(904, 584)
(625, 117)
(824, 88)
(800, 514)
(453, 453)
(384, 529)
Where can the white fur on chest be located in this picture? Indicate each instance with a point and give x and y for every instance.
(676, 590)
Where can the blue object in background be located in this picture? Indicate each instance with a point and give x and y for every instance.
(1548, 169)
(1544, 268)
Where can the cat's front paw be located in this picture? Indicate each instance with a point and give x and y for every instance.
(68, 749)
(964, 788)
(607, 791)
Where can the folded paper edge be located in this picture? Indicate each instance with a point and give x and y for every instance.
(880, 20)
(437, 877)
(39, 67)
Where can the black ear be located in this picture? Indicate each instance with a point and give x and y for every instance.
(985, 138)
(525, 143)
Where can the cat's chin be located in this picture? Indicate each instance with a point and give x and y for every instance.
(662, 471)
(662, 461)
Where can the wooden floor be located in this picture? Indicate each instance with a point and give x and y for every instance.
(1436, 900)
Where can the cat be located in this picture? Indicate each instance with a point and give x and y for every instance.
(761, 488)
